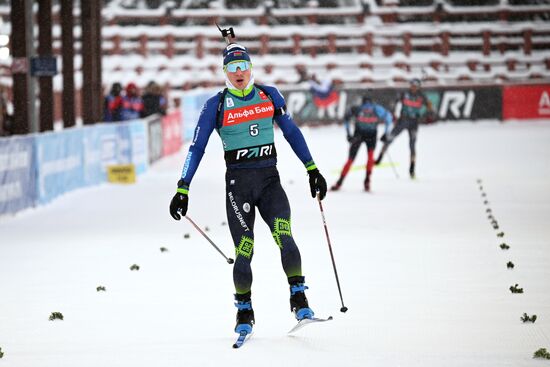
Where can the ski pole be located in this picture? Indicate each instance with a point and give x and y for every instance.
(344, 308)
(392, 165)
(229, 260)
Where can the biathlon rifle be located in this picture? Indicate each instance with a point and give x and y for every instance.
(227, 34)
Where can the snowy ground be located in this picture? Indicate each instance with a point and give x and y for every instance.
(419, 263)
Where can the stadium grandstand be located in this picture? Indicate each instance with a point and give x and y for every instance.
(380, 43)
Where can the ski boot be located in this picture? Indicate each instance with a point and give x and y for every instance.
(367, 183)
(411, 171)
(245, 313)
(337, 185)
(381, 155)
(298, 300)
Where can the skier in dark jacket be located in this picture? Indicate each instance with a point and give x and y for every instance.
(410, 104)
(243, 115)
(132, 104)
(365, 118)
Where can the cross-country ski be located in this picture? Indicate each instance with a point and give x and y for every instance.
(305, 322)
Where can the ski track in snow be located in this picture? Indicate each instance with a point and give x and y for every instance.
(419, 262)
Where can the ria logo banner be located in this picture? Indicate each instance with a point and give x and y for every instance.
(458, 103)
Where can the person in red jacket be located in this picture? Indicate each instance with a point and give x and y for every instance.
(132, 103)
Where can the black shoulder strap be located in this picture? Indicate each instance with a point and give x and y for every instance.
(219, 115)
(278, 111)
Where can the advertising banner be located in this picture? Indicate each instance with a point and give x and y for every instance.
(17, 178)
(449, 103)
(133, 145)
(139, 145)
(192, 103)
(35, 170)
(305, 108)
(526, 102)
(60, 163)
(154, 127)
(171, 133)
(121, 173)
(123, 148)
(477, 103)
(100, 150)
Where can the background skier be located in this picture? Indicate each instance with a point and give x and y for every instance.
(409, 111)
(365, 119)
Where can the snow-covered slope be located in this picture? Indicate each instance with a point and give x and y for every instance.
(419, 263)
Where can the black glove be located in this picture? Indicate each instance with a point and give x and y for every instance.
(384, 138)
(178, 205)
(350, 138)
(317, 183)
(431, 117)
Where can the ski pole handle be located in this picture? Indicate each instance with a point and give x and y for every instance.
(228, 259)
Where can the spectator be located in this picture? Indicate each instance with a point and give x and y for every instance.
(113, 104)
(153, 100)
(132, 104)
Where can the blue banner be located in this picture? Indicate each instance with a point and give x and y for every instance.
(17, 174)
(139, 146)
(101, 145)
(35, 170)
(60, 163)
(155, 139)
(192, 103)
(124, 149)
